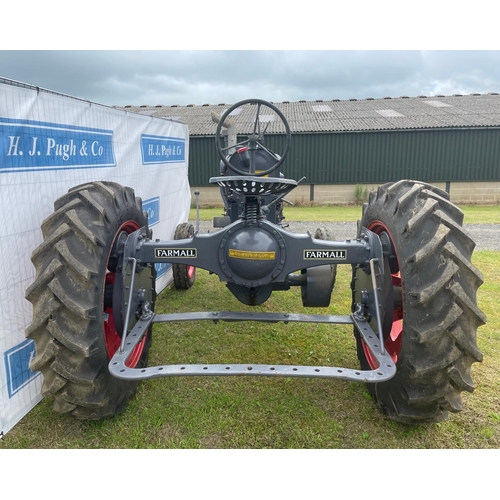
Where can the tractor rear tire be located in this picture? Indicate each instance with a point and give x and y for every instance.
(323, 233)
(433, 334)
(73, 323)
(184, 275)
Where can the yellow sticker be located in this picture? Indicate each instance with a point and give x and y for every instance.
(243, 254)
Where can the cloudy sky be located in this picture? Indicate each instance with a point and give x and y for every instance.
(262, 69)
(198, 77)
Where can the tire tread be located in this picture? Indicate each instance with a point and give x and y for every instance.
(441, 315)
(67, 297)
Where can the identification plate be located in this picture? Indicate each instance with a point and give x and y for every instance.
(325, 254)
(175, 253)
(244, 254)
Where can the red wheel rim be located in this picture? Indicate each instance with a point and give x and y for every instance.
(190, 269)
(111, 337)
(394, 340)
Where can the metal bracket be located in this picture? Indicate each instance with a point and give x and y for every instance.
(385, 370)
(376, 290)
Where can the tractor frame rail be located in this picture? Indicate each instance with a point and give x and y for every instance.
(385, 371)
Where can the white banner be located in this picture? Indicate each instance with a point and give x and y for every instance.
(48, 144)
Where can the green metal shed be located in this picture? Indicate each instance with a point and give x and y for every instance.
(434, 139)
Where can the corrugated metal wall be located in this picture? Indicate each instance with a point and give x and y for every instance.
(203, 160)
(373, 157)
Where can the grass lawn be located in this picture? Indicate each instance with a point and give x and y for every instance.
(252, 412)
(473, 214)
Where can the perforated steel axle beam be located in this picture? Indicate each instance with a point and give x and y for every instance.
(385, 371)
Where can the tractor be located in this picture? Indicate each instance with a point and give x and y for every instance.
(414, 313)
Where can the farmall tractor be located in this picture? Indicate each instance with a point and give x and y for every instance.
(413, 312)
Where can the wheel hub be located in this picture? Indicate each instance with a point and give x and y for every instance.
(113, 296)
(392, 322)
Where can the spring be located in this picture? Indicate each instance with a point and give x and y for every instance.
(251, 212)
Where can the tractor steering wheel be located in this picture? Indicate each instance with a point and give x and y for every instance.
(254, 140)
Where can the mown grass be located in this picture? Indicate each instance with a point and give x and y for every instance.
(473, 214)
(263, 412)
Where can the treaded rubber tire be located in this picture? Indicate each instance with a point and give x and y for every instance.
(324, 233)
(68, 299)
(440, 314)
(184, 275)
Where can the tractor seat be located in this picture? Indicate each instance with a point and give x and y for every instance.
(254, 186)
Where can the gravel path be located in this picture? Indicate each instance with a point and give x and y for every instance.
(486, 236)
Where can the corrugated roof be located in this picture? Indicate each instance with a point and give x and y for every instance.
(475, 110)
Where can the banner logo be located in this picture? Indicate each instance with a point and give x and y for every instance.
(152, 208)
(158, 149)
(161, 269)
(17, 365)
(30, 146)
